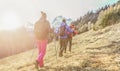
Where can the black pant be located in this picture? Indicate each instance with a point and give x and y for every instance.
(69, 41)
(63, 45)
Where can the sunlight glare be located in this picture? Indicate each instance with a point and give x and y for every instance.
(10, 21)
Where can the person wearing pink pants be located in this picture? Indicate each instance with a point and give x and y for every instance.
(41, 45)
(41, 31)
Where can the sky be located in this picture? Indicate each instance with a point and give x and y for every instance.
(29, 10)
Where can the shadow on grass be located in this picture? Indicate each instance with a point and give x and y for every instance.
(114, 46)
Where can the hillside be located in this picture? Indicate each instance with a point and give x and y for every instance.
(105, 16)
(91, 51)
(108, 17)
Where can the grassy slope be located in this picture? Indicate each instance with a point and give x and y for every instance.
(91, 51)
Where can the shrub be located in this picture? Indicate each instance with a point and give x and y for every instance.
(108, 17)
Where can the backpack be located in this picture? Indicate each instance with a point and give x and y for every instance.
(69, 34)
(41, 29)
(62, 30)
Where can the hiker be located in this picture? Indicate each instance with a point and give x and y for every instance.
(69, 37)
(41, 30)
(63, 36)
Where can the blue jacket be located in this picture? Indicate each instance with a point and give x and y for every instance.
(68, 29)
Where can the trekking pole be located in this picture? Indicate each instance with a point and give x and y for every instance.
(34, 46)
(55, 45)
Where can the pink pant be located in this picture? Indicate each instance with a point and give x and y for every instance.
(41, 45)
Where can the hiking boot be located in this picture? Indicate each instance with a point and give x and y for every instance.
(42, 66)
(60, 54)
(64, 51)
(36, 65)
(70, 51)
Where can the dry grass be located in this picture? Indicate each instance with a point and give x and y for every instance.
(91, 52)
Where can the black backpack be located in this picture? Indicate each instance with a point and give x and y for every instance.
(41, 29)
(62, 30)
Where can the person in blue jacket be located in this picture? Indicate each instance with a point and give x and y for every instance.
(63, 36)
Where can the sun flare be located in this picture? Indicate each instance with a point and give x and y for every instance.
(10, 21)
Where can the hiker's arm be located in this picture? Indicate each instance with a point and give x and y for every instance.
(69, 29)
